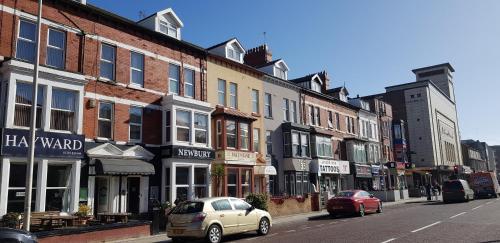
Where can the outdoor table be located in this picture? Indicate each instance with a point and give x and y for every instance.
(109, 217)
(58, 219)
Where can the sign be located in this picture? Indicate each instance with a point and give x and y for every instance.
(47, 144)
(364, 171)
(396, 165)
(236, 155)
(296, 164)
(375, 170)
(182, 152)
(330, 166)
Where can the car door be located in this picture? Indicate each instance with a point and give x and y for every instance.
(226, 215)
(369, 201)
(247, 219)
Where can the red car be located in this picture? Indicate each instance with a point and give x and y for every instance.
(354, 202)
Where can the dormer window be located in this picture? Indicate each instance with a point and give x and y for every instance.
(315, 86)
(168, 29)
(280, 73)
(342, 96)
(165, 22)
(233, 54)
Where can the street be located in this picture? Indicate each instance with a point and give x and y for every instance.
(476, 221)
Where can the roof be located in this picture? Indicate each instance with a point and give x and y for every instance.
(446, 64)
(165, 11)
(303, 79)
(234, 39)
(273, 63)
(124, 167)
(338, 89)
(219, 110)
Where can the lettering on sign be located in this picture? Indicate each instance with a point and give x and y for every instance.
(188, 152)
(333, 167)
(237, 155)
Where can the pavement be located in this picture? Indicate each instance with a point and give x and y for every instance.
(289, 224)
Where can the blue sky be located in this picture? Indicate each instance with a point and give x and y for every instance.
(366, 44)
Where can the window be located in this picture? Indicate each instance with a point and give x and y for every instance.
(108, 61)
(349, 121)
(22, 113)
(168, 29)
(286, 109)
(304, 145)
(63, 110)
(280, 73)
(231, 134)
(315, 86)
(58, 188)
(173, 78)
(240, 204)
(255, 101)
(268, 111)
(221, 92)
(246, 182)
(167, 126)
(55, 48)
(200, 128)
(182, 182)
(233, 54)
(105, 120)
(269, 143)
(317, 120)
(324, 146)
(244, 136)
(183, 125)
(26, 41)
(295, 144)
(188, 83)
(310, 110)
(293, 111)
(299, 144)
(221, 205)
(219, 134)
(256, 139)
(135, 123)
(137, 69)
(17, 188)
(200, 182)
(330, 119)
(233, 95)
(337, 120)
(232, 182)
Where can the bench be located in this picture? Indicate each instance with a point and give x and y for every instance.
(39, 222)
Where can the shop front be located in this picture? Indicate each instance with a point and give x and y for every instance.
(118, 178)
(186, 173)
(56, 172)
(238, 166)
(363, 177)
(330, 175)
(297, 176)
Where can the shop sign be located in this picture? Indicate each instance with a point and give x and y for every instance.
(236, 155)
(182, 152)
(15, 142)
(333, 167)
(396, 165)
(363, 171)
(375, 170)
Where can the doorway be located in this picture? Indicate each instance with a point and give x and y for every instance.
(133, 195)
(102, 194)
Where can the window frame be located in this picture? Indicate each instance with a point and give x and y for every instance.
(233, 97)
(256, 139)
(201, 129)
(235, 133)
(132, 69)
(33, 42)
(170, 79)
(110, 120)
(190, 123)
(40, 109)
(285, 106)
(75, 112)
(268, 107)
(63, 48)
(269, 142)
(293, 111)
(242, 137)
(255, 101)
(136, 124)
(221, 93)
(112, 62)
(193, 84)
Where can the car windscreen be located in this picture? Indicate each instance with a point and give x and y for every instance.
(346, 194)
(452, 185)
(188, 208)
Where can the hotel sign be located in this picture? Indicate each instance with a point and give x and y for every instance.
(182, 152)
(236, 156)
(47, 144)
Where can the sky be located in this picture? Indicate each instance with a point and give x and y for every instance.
(367, 44)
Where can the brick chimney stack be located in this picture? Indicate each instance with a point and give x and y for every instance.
(326, 80)
(258, 56)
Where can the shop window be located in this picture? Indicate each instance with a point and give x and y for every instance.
(22, 113)
(58, 188)
(182, 182)
(200, 182)
(55, 48)
(16, 190)
(135, 123)
(26, 41)
(108, 61)
(63, 110)
(244, 137)
(183, 125)
(200, 128)
(231, 134)
(105, 120)
(188, 83)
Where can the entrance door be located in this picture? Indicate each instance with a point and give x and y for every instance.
(102, 194)
(133, 195)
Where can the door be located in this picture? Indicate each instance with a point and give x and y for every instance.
(247, 220)
(133, 195)
(226, 215)
(102, 194)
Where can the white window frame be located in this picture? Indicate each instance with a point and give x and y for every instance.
(113, 62)
(24, 39)
(286, 109)
(233, 96)
(170, 79)
(193, 84)
(241, 136)
(42, 107)
(236, 127)
(136, 124)
(168, 29)
(75, 121)
(99, 118)
(317, 116)
(315, 86)
(256, 139)
(221, 92)
(189, 127)
(268, 105)
(63, 48)
(200, 129)
(280, 73)
(330, 119)
(293, 111)
(255, 101)
(132, 69)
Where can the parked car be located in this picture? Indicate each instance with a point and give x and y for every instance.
(214, 218)
(15, 235)
(484, 184)
(353, 202)
(457, 190)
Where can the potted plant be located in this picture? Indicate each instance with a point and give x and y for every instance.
(164, 210)
(12, 220)
(83, 214)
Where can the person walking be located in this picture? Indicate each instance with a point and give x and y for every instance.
(428, 189)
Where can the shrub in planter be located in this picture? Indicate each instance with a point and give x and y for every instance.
(12, 220)
(83, 214)
(259, 201)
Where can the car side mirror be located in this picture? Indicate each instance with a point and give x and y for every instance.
(251, 208)
(371, 196)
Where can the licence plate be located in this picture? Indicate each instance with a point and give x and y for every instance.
(178, 231)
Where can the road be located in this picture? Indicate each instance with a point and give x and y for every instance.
(476, 221)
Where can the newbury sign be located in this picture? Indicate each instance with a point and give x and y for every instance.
(188, 153)
(47, 144)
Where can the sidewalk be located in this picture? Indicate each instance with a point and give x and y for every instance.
(277, 220)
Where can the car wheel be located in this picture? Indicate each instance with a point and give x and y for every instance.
(263, 226)
(332, 214)
(361, 212)
(379, 208)
(214, 234)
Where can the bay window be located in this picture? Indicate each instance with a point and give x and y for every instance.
(173, 78)
(167, 126)
(200, 182)
(295, 144)
(16, 190)
(323, 147)
(244, 136)
(55, 48)
(188, 83)
(304, 145)
(182, 182)
(63, 110)
(201, 128)
(23, 102)
(135, 123)
(231, 134)
(105, 120)
(183, 125)
(137, 69)
(26, 41)
(219, 134)
(108, 61)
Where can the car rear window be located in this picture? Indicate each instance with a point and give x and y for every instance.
(452, 185)
(188, 208)
(345, 194)
(222, 204)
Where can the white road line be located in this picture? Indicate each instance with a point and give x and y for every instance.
(488, 203)
(456, 215)
(425, 227)
(477, 207)
(290, 231)
(389, 240)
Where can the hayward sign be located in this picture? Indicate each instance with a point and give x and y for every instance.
(15, 142)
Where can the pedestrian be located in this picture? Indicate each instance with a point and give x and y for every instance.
(439, 189)
(428, 191)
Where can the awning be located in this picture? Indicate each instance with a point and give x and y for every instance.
(124, 167)
(264, 170)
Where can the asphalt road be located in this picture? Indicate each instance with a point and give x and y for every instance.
(475, 221)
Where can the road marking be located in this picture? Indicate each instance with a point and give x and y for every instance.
(389, 240)
(253, 238)
(290, 231)
(425, 227)
(488, 203)
(456, 215)
(334, 222)
(477, 207)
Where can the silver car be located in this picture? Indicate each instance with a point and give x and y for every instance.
(213, 218)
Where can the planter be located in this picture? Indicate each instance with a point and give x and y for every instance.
(80, 222)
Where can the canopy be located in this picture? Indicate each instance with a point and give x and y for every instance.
(124, 167)
(265, 170)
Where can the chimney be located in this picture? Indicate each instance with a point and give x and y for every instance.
(323, 75)
(258, 56)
